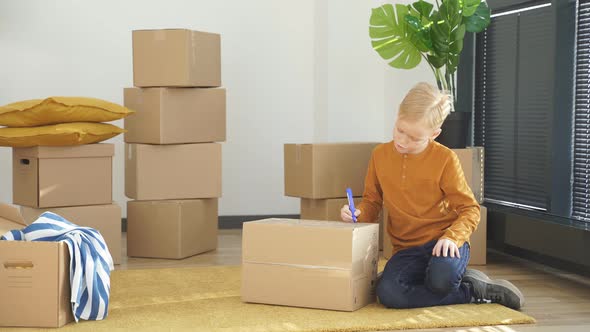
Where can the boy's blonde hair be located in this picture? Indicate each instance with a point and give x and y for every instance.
(425, 102)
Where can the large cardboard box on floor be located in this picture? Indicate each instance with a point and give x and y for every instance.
(472, 162)
(287, 262)
(478, 240)
(176, 57)
(329, 209)
(325, 170)
(104, 218)
(175, 115)
(180, 171)
(171, 229)
(34, 278)
(47, 176)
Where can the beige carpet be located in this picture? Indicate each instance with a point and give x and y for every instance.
(208, 299)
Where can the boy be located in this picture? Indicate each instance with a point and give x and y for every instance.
(432, 213)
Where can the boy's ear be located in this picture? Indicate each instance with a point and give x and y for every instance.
(436, 133)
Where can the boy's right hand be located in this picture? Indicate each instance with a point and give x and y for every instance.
(346, 215)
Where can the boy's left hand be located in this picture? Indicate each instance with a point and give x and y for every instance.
(444, 247)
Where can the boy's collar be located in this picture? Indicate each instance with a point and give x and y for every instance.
(431, 143)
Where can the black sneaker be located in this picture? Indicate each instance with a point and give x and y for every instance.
(486, 290)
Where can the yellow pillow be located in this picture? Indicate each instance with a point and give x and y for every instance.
(58, 135)
(53, 110)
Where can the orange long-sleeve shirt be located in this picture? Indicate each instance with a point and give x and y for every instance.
(426, 196)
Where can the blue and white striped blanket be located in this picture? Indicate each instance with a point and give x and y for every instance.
(90, 261)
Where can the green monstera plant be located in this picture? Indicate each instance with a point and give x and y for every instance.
(405, 34)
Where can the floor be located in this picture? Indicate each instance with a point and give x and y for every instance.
(559, 301)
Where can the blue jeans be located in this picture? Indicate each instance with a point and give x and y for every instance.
(414, 278)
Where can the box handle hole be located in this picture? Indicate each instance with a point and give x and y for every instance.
(25, 161)
(19, 265)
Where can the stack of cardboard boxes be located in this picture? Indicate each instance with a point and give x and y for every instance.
(172, 163)
(334, 263)
(75, 182)
(308, 263)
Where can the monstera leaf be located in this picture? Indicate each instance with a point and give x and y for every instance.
(423, 8)
(447, 35)
(392, 38)
(470, 6)
(421, 32)
(479, 20)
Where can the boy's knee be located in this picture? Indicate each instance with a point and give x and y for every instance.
(440, 285)
(391, 295)
(442, 279)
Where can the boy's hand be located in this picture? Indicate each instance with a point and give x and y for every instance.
(346, 215)
(445, 246)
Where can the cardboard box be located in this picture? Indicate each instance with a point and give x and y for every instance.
(329, 210)
(325, 170)
(472, 162)
(175, 115)
(171, 229)
(47, 176)
(104, 218)
(176, 57)
(287, 262)
(478, 241)
(183, 171)
(34, 279)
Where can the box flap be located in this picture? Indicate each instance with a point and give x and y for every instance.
(76, 151)
(304, 243)
(9, 214)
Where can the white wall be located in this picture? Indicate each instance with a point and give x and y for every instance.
(360, 92)
(295, 71)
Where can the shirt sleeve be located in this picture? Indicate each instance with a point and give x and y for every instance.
(372, 201)
(461, 200)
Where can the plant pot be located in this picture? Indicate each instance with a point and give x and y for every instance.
(454, 130)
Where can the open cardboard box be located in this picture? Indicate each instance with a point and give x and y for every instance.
(104, 218)
(34, 278)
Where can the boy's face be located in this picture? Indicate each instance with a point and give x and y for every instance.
(411, 136)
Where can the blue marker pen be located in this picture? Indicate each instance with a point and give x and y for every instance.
(351, 203)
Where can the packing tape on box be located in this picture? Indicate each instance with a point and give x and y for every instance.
(481, 172)
(302, 266)
(359, 266)
(311, 223)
